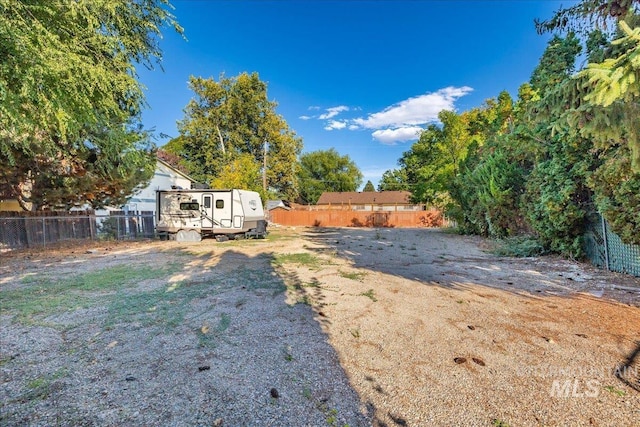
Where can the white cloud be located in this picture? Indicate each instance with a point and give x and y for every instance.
(397, 123)
(414, 111)
(314, 108)
(333, 111)
(335, 124)
(393, 136)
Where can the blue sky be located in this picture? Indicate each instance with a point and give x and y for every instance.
(359, 76)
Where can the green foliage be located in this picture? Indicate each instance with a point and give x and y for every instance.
(613, 74)
(519, 246)
(45, 297)
(442, 153)
(301, 258)
(240, 172)
(557, 62)
(353, 275)
(435, 158)
(552, 205)
(326, 170)
(394, 180)
(70, 101)
(371, 294)
(369, 187)
(587, 14)
(570, 143)
(617, 195)
(231, 122)
(488, 197)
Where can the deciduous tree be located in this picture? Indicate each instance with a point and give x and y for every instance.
(326, 170)
(394, 180)
(70, 100)
(232, 117)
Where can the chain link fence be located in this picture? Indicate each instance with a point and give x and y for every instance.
(606, 250)
(27, 231)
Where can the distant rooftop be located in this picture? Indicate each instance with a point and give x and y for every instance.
(365, 198)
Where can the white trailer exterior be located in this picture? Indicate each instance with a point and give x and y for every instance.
(189, 215)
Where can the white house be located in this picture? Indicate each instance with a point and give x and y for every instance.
(164, 178)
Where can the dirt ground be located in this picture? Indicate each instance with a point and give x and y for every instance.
(318, 327)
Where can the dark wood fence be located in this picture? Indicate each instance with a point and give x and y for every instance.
(39, 229)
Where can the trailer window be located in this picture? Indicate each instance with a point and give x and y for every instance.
(189, 206)
(219, 204)
(207, 202)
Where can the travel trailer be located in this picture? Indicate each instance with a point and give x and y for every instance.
(189, 215)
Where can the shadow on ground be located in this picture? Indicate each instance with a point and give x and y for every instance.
(211, 341)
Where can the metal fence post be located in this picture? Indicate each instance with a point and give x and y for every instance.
(606, 242)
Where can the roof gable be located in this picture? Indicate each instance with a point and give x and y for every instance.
(161, 164)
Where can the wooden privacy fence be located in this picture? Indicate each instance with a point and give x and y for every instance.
(346, 218)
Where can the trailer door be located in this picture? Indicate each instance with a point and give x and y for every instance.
(207, 210)
(222, 210)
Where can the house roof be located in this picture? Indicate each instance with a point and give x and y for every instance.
(273, 204)
(365, 198)
(175, 170)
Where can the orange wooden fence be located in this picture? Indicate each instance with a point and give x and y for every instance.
(341, 218)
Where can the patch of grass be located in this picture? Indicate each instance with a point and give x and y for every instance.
(451, 230)
(275, 235)
(207, 336)
(359, 276)
(369, 294)
(302, 258)
(161, 307)
(519, 246)
(263, 278)
(299, 286)
(304, 299)
(40, 388)
(43, 296)
(306, 392)
(287, 354)
(615, 391)
(332, 417)
(355, 333)
(223, 323)
(499, 423)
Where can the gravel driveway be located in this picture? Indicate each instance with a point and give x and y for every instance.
(315, 327)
